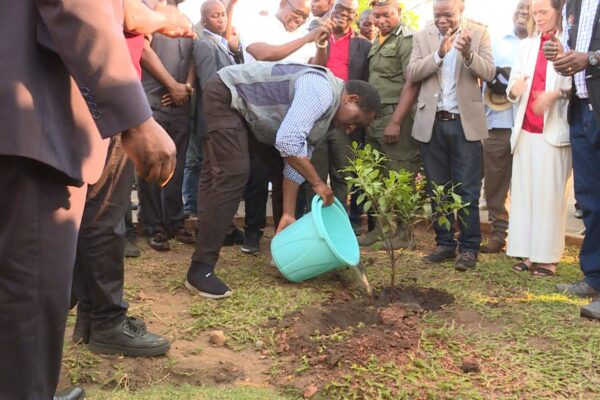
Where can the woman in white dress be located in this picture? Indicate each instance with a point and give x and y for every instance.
(541, 149)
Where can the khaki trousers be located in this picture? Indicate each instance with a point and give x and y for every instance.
(497, 171)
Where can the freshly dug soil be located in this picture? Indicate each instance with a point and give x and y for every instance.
(321, 343)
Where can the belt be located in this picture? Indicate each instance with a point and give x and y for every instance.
(447, 116)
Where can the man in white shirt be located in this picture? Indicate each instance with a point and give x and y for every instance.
(280, 37)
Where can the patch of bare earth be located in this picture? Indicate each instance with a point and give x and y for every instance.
(155, 293)
(320, 344)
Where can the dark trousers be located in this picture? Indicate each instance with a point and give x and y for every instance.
(585, 144)
(191, 173)
(497, 167)
(329, 158)
(256, 195)
(40, 217)
(99, 267)
(450, 159)
(266, 165)
(161, 208)
(225, 170)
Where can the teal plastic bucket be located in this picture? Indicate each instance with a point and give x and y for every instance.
(320, 241)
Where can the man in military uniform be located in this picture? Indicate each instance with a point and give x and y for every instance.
(391, 131)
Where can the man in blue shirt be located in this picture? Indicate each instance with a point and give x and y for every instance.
(497, 158)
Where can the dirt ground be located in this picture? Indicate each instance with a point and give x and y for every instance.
(348, 331)
(310, 347)
(441, 334)
(191, 359)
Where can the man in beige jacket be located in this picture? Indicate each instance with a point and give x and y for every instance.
(450, 58)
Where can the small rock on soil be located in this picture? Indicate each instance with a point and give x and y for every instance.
(217, 338)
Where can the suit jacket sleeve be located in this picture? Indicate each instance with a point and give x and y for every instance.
(364, 53)
(422, 65)
(90, 42)
(483, 61)
(518, 69)
(205, 58)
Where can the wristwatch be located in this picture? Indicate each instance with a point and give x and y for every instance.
(593, 59)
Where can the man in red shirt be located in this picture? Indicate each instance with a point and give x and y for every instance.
(347, 58)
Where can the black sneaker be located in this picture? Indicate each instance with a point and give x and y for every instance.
(130, 338)
(440, 254)
(159, 241)
(466, 260)
(235, 237)
(207, 285)
(251, 242)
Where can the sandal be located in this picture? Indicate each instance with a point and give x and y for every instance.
(544, 271)
(520, 267)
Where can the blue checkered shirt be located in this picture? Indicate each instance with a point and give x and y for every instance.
(584, 37)
(312, 99)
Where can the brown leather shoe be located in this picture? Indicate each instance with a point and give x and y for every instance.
(493, 246)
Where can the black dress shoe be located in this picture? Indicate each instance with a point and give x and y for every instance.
(130, 338)
(83, 326)
(183, 236)
(131, 249)
(159, 241)
(235, 236)
(72, 393)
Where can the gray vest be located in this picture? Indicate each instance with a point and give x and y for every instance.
(263, 92)
(176, 55)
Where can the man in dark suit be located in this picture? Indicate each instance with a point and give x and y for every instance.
(212, 52)
(581, 59)
(67, 85)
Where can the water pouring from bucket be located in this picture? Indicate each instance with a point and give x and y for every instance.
(319, 242)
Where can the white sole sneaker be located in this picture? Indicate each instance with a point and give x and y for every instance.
(195, 290)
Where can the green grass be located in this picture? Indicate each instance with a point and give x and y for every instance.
(258, 297)
(528, 339)
(187, 392)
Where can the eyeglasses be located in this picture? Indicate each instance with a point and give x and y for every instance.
(298, 11)
(344, 12)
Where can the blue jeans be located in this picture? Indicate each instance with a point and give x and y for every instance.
(585, 143)
(450, 159)
(191, 173)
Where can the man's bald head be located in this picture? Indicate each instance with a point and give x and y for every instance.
(210, 5)
(214, 16)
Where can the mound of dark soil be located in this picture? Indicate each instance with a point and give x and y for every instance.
(322, 342)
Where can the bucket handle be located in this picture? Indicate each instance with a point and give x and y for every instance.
(317, 206)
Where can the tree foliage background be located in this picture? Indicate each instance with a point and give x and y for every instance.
(409, 18)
